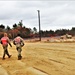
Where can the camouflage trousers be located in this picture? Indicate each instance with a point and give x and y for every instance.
(19, 49)
(5, 51)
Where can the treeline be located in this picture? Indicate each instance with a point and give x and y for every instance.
(58, 32)
(29, 33)
(17, 29)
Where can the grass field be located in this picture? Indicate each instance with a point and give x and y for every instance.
(49, 58)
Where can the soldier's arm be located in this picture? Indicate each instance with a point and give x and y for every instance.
(22, 41)
(0, 41)
(9, 42)
(14, 42)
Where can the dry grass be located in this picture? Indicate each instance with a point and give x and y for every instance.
(50, 58)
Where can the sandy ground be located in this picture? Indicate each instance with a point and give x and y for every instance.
(49, 58)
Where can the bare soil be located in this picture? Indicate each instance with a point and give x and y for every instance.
(49, 58)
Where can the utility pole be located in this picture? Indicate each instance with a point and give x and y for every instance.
(39, 25)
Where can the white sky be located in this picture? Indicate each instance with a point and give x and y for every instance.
(54, 14)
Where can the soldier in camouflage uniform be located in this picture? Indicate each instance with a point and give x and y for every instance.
(5, 41)
(18, 42)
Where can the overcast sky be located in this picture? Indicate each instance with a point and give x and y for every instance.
(53, 14)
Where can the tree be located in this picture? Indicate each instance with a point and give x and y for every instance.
(34, 30)
(24, 27)
(73, 29)
(8, 28)
(20, 23)
(27, 32)
(15, 26)
(2, 26)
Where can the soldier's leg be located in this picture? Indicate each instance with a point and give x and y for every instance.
(4, 52)
(19, 53)
(3, 55)
(7, 53)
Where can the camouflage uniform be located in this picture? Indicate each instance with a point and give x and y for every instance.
(5, 41)
(18, 42)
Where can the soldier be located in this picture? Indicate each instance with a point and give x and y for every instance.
(18, 42)
(5, 41)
